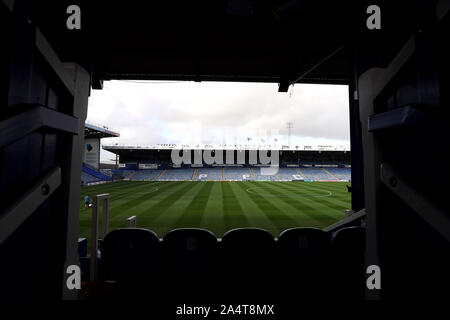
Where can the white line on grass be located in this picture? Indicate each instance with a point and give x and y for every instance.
(251, 190)
(154, 189)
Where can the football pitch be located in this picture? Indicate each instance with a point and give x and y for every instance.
(219, 205)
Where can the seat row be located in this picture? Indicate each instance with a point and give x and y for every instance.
(302, 257)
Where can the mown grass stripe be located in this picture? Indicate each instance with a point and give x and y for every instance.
(169, 220)
(111, 186)
(130, 203)
(118, 193)
(235, 217)
(213, 219)
(124, 208)
(169, 197)
(255, 215)
(303, 215)
(333, 199)
(267, 207)
(319, 202)
(193, 213)
(325, 213)
(298, 206)
(119, 209)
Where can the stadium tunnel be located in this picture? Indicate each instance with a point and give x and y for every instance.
(398, 80)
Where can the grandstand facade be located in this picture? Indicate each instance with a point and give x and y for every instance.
(91, 173)
(305, 163)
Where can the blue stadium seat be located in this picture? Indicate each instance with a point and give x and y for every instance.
(82, 247)
(248, 263)
(95, 173)
(238, 174)
(248, 250)
(315, 173)
(107, 172)
(131, 255)
(177, 175)
(303, 261)
(350, 240)
(190, 250)
(349, 261)
(88, 179)
(121, 174)
(146, 174)
(303, 247)
(230, 174)
(341, 173)
(289, 174)
(264, 177)
(207, 174)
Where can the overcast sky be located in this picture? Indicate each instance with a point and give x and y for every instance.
(220, 113)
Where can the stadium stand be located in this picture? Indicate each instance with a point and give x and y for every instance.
(177, 175)
(315, 174)
(93, 172)
(147, 174)
(264, 177)
(230, 174)
(237, 174)
(88, 179)
(209, 174)
(289, 174)
(122, 174)
(341, 173)
(107, 172)
(90, 175)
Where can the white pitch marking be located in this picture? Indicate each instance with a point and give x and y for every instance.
(146, 192)
(273, 195)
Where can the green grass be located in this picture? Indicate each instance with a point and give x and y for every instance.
(220, 206)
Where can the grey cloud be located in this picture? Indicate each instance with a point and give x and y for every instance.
(170, 113)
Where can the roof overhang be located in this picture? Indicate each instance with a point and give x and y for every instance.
(98, 131)
(278, 41)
